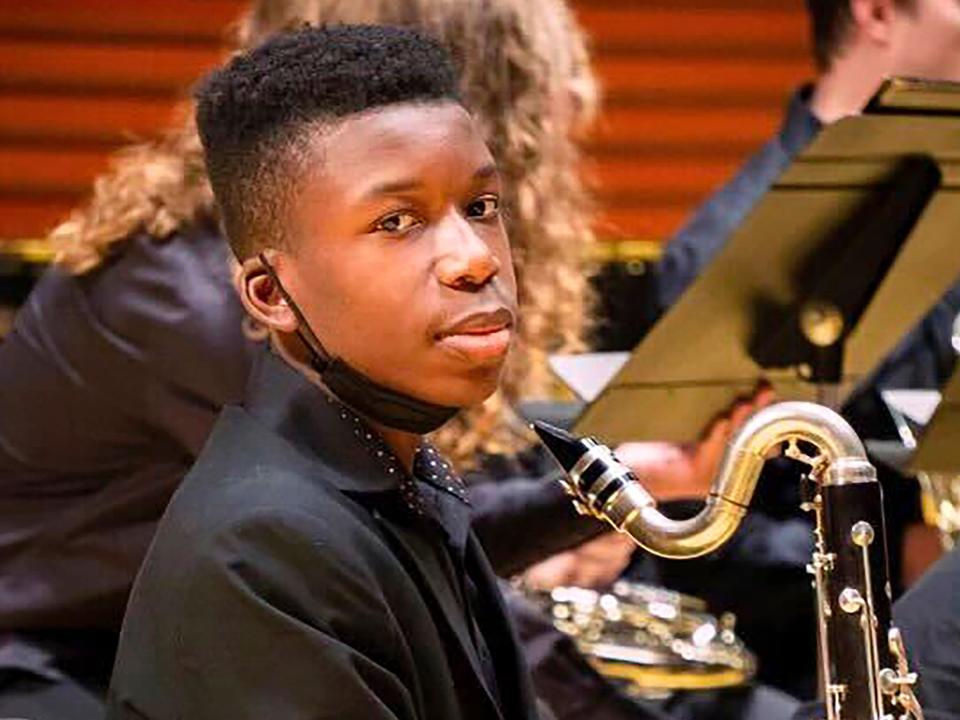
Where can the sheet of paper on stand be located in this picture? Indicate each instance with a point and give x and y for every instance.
(587, 374)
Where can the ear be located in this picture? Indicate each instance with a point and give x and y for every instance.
(873, 19)
(261, 297)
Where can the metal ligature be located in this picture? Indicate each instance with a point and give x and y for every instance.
(862, 661)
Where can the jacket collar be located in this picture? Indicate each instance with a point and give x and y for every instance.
(320, 427)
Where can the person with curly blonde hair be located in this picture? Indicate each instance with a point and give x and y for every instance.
(526, 76)
(123, 355)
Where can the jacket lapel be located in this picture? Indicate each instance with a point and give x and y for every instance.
(410, 548)
(516, 692)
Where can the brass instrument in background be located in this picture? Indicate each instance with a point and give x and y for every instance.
(940, 500)
(862, 662)
(649, 641)
(939, 491)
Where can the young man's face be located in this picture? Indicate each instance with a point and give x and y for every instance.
(402, 266)
(926, 40)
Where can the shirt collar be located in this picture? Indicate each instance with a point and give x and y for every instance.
(429, 466)
(800, 125)
(442, 496)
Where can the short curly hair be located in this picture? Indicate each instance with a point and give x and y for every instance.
(256, 114)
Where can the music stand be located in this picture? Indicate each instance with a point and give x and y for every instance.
(847, 251)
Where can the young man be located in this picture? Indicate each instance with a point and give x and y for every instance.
(318, 561)
(136, 335)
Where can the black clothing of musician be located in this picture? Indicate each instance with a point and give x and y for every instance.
(338, 548)
(300, 571)
(928, 615)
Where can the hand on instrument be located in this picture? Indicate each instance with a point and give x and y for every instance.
(594, 564)
(672, 471)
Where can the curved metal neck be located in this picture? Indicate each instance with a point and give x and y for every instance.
(841, 459)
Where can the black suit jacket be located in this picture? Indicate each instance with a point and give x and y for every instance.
(288, 579)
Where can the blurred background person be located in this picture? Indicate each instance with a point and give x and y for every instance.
(856, 45)
(928, 615)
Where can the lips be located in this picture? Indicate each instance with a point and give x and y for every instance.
(480, 323)
(480, 336)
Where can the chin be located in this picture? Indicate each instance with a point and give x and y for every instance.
(464, 392)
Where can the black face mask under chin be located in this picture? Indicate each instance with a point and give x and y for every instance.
(372, 400)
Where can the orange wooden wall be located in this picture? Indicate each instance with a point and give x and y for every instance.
(691, 87)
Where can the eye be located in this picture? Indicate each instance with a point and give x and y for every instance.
(484, 207)
(397, 223)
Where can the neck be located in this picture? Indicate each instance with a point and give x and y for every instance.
(402, 444)
(846, 87)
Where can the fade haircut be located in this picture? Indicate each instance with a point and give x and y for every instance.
(830, 21)
(257, 115)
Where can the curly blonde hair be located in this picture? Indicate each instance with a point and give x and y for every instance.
(525, 75)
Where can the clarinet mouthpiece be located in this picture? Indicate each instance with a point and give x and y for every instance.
(564, 447)
(600, 485)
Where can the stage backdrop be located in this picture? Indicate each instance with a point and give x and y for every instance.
(691, 86)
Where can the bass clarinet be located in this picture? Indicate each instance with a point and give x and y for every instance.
(862, 661)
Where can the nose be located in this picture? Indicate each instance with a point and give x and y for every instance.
(465, 261)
